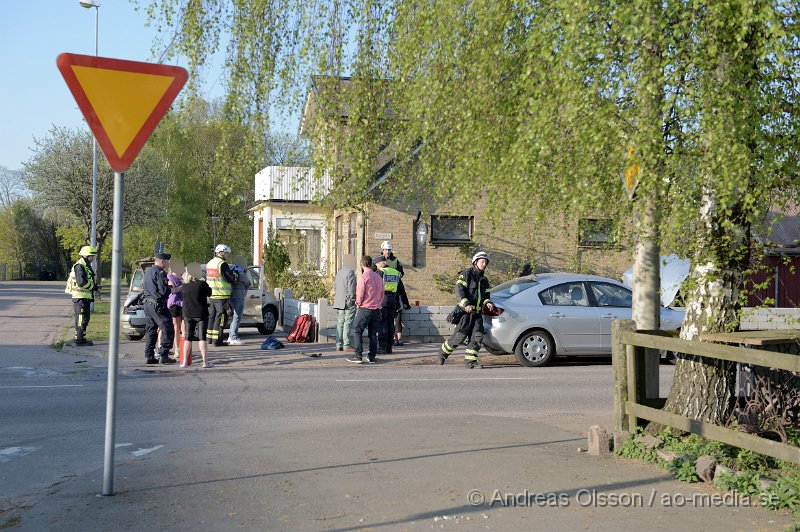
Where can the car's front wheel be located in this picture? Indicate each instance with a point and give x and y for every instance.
(270, 322)
(535, 348)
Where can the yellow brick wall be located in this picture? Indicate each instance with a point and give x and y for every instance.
(553, 248)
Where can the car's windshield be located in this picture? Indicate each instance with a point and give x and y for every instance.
(513, 287)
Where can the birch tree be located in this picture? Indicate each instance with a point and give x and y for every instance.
(533, 106)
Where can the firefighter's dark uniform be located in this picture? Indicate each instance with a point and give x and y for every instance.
(472, 288)
(156, 313)
(81, 286)
(220, 278)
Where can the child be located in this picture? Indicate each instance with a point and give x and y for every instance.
(195, 315)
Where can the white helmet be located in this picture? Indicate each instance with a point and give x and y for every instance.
(386, 245)
(480, 255)
(221, 248)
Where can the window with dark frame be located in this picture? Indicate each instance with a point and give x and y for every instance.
(596, 232)
(453, 230)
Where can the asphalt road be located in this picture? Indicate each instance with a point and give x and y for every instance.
(280, 440)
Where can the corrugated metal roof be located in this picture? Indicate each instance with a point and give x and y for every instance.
(290, 183)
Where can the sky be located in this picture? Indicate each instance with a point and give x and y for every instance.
(33, 95)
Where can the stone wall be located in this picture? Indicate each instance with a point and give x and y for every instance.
(770, 318)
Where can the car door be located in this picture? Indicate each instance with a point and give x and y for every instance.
(254, 298)
(613, 303)
(571, 318)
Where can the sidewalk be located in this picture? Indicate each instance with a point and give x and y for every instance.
(463, 472)
(404, 474)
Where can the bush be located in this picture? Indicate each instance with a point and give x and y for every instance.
(276, 259)
(306, 285)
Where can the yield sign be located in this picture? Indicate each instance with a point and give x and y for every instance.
(123, 101)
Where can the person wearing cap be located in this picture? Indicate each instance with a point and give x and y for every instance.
(387, 256)
(156, 313)
(472, 291)
(220, 277)
(81, 286)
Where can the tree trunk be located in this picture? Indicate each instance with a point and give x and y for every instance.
(703, 388)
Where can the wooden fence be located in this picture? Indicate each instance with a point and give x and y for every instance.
(629, 349)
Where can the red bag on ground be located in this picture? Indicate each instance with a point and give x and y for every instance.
(305, 330)
(298, 327)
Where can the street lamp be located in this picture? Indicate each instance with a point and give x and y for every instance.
(214, 225)
(88, 4)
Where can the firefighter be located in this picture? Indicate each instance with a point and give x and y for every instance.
(220, 277)
(472, 291)
(81, 286)
(391, 280)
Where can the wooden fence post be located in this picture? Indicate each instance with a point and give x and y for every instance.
(619, 359)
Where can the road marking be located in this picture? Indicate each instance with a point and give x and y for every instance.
(117, 446)
(142, 452)
(33, 372)
(47, 386)
(9, 453)
(446, 379)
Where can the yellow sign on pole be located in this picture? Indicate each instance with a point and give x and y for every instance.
(633, 171)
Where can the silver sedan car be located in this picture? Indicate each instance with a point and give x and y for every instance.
(560, 314)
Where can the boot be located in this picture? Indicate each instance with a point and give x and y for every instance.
(165, 359)
(151, 360)
(442, 357)
(470, 364)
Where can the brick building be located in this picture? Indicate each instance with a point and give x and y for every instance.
(451, 234)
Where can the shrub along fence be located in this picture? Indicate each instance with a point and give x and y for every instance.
(629, 349)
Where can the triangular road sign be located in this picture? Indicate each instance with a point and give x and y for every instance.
(123, 101)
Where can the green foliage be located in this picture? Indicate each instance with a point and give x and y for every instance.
(306, 285)
(785, 493)
(695, 445)
(633, 449)
(59, 175)
(275, 259)
(28, 233)
(197, 154)
(683, 470)
(744, 483)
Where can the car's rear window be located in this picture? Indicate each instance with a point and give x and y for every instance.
(138, 279)
(513, 287)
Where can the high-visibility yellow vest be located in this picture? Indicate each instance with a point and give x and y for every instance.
(392, 264)
(391, 278)
(80, 292)
(220, 287)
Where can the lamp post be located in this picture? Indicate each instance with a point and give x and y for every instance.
(214, 225)
(88, 4)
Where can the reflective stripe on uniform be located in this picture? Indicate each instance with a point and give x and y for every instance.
(463, 303)
(446, 348)
(470, 354)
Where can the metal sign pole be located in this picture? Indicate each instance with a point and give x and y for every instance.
(113, 335)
